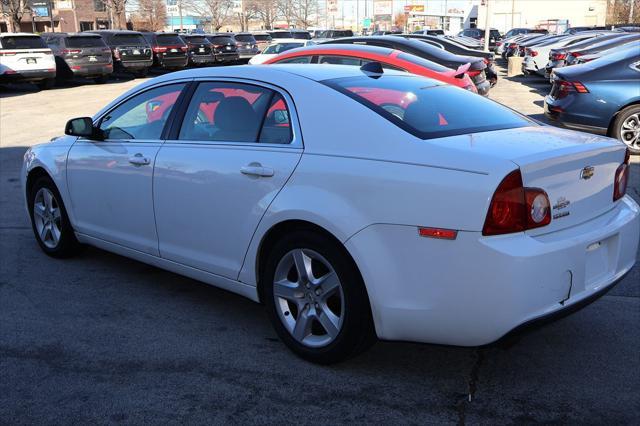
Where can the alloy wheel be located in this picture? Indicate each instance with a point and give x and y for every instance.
(47, 218)
(309, 297)
(630, 131)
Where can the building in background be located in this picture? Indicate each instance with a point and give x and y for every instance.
(64, 16)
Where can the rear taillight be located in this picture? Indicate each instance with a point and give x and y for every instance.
(531, 52)
(184, 48)
(622, 178)
(159, 49)
(576, 54)
(473, 73)
(8, 53)
(566, 87)
(558, 56)
(70, 51)
(515, 208)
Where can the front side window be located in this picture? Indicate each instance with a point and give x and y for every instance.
(296, 60)
(339, 60)
(281, 47)
(236, 112)
(426, 108)
(143, 116)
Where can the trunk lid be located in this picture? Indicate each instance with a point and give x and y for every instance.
(575, 169)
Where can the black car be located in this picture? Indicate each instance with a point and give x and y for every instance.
(200, 49)
(129, 49)
(458, 49)
(80, 55)
(389, 32)
(430, 32)
(225, 50)
(478, 34)
(575, 30)
(334, 34)
(169, 50)
(247, 45)
(427, 51)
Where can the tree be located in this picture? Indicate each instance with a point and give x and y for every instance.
(13, 10)
(265, 10)
(116, 10)
(286, 10)
(151, 15)
(400, 20)
(306, 12)
(217, 12)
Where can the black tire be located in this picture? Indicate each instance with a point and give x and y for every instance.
(623, 116)
(141, 73)
(102, 79)
(47, 84)
(67, 244)
(357, 332)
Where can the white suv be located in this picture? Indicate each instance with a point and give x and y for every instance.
(25, 57)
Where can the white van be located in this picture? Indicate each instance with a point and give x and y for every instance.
(25, 57)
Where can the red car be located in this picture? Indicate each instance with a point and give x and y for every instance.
(390, 59)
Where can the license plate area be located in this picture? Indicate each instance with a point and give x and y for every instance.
(31, 61)
(600, 261)
(93, 59)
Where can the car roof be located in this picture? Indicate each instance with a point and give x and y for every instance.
(114, 32)
(82, 34)
(19, 35)
(346, 48)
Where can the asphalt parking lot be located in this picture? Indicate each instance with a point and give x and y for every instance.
(100, 338)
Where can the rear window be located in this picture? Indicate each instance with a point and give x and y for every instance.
(302, 35)
(284, 34)
(128, 39)
(23, 42)
(245, 38)
(218, 40)
(281, 47)
(169, 39)
(85, 42)
(345, 33)
(197, 39)
(426, 108)
(262, 37)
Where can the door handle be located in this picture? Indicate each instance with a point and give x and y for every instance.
(256, 169)
(139, 160)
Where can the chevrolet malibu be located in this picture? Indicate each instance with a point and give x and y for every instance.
(354, 203)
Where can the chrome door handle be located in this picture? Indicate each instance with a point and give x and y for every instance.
(139, 160)
(256, 169)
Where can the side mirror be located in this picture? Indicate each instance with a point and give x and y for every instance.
(82, 127)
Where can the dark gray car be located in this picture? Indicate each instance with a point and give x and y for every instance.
(130, 51)
(80, 55)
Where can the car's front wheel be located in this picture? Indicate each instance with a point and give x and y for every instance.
(316, 299)
(49, 219)
(627, 128)
(47, 83)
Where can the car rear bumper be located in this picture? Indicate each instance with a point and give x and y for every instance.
(135, 64)
(91, 70)
(180, 62)
(10, 76)
(201, 59)
(226, 57)
(483, 87)
(474, 290)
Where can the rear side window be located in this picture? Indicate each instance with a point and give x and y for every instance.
(236, 112)
(85, 42)
(423, 62)
(296, 60)
(262, 37)
(22, 42)
(129, 39)
(169, 40)
(426, 108)
(281, 47)
(339, 60)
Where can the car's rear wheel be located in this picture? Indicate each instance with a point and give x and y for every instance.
(141, 73)
(316, 299)
(627, 128)
(102, 79)
(49, 219)
(47, 83)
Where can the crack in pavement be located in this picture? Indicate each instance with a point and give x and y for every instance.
(472, 385)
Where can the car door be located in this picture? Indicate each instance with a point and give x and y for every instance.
(110, 180)
(237, 145)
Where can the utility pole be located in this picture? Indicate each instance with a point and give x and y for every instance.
(180, 13)
(513, 13)
(53, 30)
(487, 28)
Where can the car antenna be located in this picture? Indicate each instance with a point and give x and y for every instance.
(372, 69)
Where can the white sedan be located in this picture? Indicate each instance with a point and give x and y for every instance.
(353, 203)
(277, 47)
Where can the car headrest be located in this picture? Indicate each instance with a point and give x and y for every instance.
(235, 113)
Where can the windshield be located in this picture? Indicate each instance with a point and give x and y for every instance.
(197, 40)
(245, 38)
(22, 42)
(85, 41)
(220, 40)
(426, 108)
(302, 35)
(281, 47)
(129, 39)
(281, 34)
(169, 39)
